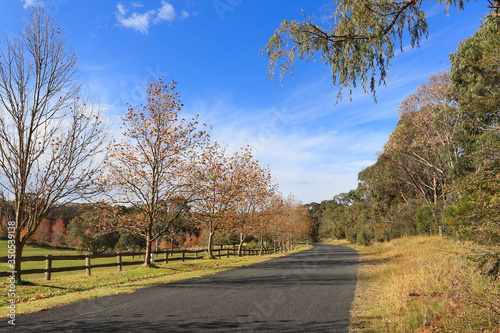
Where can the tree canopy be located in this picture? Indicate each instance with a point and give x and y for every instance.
(357, 42)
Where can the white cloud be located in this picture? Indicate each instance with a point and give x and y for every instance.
(136, 21)
(31, 3)
(141, 22)
(121, 9)
(184, 15)
(137, 4)
(166, 13)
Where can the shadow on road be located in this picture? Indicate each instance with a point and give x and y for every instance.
(308, 291)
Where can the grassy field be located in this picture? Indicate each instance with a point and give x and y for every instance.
(67, 287)
(422, 284)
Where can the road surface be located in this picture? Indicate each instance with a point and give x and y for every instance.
(309, 291)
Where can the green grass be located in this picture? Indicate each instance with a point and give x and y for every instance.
(423, 284)
(67, 287)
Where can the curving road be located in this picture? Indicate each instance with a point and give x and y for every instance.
(309, 291)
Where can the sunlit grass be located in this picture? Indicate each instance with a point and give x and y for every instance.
(423, 284)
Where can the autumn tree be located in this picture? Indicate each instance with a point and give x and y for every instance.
(220, 183)
(250, 207)
(358, 40)
(84, 230)
(58, 236)
(275, 215)
(296, 222)
(287, 221)
(148, 168)
(44, 232)
(50, 138)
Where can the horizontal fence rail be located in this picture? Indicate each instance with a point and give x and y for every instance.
(167, 257)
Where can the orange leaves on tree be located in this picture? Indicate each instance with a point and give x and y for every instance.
(58, 233)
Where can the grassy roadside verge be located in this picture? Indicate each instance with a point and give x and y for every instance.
(422, 284)
(70, 287)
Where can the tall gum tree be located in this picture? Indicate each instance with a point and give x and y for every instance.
(50, 139)
(476, 78)
(148, 167)
(424, 146)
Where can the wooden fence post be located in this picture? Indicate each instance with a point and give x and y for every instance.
(119, 262)
(218, 253)
(196, 255)
(440, 231)
(183, 256)
(48, 267)
(87, 264)
(165, 256)
(227, 253)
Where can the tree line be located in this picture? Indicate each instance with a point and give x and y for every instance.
(163, 175)
(441, 164)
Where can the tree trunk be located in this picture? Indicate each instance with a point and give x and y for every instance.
(434, 185)
(210, 240)
(240, 245)
(147, 256)
(18, 258)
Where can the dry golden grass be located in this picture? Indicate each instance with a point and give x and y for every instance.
(423, 284)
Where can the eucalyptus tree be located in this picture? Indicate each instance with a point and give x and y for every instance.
(358, 40)
(476, 78)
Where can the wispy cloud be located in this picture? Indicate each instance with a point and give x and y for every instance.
(166, 13)
(31, 3)
(139, 22)
(184, 15)
(137, 4)
(142, 21)
(315, 164)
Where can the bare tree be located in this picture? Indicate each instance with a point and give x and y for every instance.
(49, 137)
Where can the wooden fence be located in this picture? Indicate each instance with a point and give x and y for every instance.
(167, 256)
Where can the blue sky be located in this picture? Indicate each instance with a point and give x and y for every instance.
(314, 147)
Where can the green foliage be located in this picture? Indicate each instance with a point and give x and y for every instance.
(476, 78)
(357, 41)
(476, 213)
(475, 72)
(130, 243)
(364, 238)
(441, 165)
(424, 220)
(83, 234)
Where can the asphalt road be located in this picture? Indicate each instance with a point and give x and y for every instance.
(309, 291)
